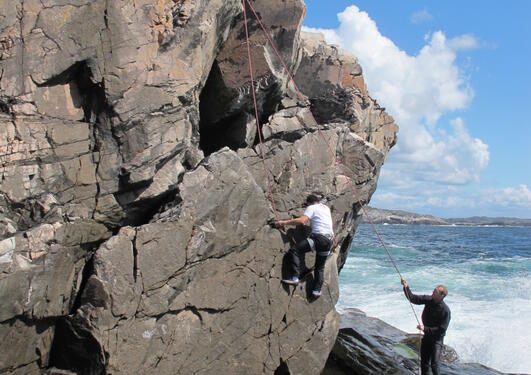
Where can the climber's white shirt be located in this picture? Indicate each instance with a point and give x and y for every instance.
(321, 219)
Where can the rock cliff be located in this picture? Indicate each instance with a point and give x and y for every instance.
(134, 203)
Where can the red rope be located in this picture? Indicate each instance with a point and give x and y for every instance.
(266, 172)
(334, 156)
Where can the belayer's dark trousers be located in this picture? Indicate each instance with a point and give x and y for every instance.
(430, 355)
(321, 245)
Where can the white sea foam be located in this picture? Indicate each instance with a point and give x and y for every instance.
(494, 333)
(491, 320)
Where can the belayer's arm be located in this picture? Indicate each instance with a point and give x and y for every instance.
(416, 299)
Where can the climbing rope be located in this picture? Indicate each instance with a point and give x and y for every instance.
(261, 147)
(333, 154)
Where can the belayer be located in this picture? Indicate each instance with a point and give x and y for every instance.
(320, 240)
(435, 320)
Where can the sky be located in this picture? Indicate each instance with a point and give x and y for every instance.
(455, 76)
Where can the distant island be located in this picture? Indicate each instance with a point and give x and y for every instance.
(381, 216)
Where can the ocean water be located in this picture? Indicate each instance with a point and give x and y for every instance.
(486, 269)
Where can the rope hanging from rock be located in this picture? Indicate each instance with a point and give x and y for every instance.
(307, 105)
(261, 146)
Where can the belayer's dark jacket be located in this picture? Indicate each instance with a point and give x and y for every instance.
(435, 316)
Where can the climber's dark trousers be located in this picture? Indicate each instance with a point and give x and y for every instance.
(430, 354)
(321, 246)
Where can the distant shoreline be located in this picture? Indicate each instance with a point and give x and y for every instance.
(383, 216)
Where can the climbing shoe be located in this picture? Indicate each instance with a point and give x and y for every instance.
(316, 293)
(292, 281)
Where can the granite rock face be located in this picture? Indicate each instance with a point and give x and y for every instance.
(134, 200)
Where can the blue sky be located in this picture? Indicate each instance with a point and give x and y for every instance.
(455, 76)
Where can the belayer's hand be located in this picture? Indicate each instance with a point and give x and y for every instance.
(403, 281)
(420, 327)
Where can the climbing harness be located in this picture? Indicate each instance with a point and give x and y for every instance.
(333, 154)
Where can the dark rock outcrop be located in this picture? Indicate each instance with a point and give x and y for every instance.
(368, 346)
(134, 203)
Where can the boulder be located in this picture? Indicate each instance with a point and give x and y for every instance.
(367, 345)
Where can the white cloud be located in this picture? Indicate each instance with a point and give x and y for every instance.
(450, 202)
(519, 196)
(434, 201)
(392, 200)
(430, 199)
(421, 16)
(463, 42)
(417, 90)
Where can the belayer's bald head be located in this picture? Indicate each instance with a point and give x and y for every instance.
(442, 289)
(439, 293)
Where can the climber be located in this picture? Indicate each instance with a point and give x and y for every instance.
(320, 240)
(435, 320)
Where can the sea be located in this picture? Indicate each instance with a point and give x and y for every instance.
(487, 270)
